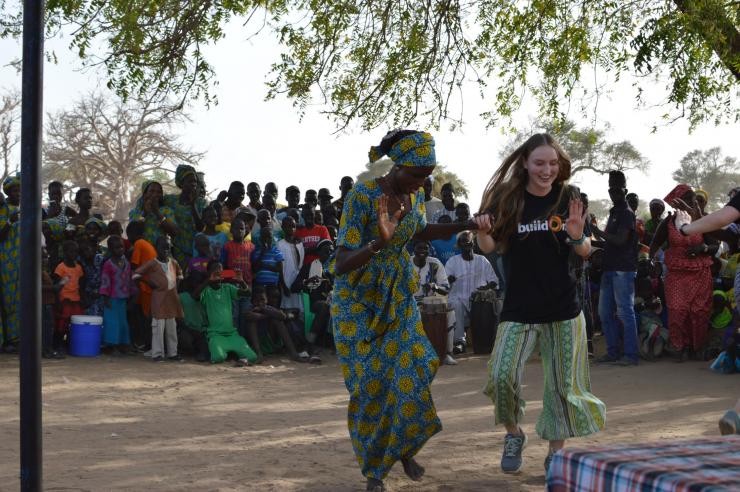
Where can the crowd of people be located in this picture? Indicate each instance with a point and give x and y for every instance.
(650, 290)
(245, 276)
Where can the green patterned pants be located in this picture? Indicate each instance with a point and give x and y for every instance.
(569, 409)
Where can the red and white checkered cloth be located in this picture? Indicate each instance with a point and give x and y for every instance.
(700, 465)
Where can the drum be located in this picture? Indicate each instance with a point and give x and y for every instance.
(484, 311)
(434, 318)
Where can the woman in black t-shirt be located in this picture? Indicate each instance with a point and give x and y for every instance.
(537, 223)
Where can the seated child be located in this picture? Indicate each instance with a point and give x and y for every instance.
(217, 299)
(192, 334)
(651, 331)
(67, 274)
(262, 316)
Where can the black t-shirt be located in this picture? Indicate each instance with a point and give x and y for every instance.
(540, 284)
(621, 258)
(735, 203)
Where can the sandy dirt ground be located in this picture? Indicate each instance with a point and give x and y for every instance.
(113, 423)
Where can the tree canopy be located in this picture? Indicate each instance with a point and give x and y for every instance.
(710, 171)
(588, 148)
(389, 62)
(112, 147)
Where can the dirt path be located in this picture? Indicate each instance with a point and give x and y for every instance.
(129, 424)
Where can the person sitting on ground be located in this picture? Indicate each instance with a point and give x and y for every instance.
(192, 331)
(311, 234)
(67, 274)
(267, 261)
(115, 290)
(730, 422)
(467, 272)
(652, 335)
(433, 282)
(162, 274)
(263, 318)
(217, 299)
(320, 283)
(448, 202)
(444, 249)
(201, 256)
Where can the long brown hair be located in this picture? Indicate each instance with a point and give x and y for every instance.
(504, 195)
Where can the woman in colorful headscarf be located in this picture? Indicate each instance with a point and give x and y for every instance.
(387, 361)
(150, 209)
(188, 209)
(688, 283)
(9, 259)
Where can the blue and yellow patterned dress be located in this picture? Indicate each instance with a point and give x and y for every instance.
(9, 268)
(387, 361)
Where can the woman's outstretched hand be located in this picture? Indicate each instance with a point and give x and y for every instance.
(386, 223)
(576, 221)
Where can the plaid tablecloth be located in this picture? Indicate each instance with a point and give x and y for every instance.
(700, 465)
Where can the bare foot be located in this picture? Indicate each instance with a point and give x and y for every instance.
(375, 485)
(413, 469)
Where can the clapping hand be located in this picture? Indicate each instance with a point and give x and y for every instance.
(576, 219)
(387, 224)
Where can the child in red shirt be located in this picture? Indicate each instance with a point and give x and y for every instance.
(68, 274)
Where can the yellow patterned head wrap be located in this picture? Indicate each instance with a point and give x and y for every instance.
(413, 149)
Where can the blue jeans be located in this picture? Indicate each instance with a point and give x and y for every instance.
(617, 304)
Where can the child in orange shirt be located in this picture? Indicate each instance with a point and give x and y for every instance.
(68, 274)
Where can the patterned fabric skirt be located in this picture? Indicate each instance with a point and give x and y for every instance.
(388, 375)
(569, 408)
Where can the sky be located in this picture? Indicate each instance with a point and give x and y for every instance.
(250, 139)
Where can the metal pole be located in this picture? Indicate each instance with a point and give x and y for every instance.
(30, 251)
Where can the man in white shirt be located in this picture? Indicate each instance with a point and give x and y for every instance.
(448, 204)
(467, 272)
(433, 282)
(431, 203)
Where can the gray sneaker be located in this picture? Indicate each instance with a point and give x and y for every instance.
(511, 461)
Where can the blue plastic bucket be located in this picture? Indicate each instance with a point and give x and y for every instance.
(85, 336)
